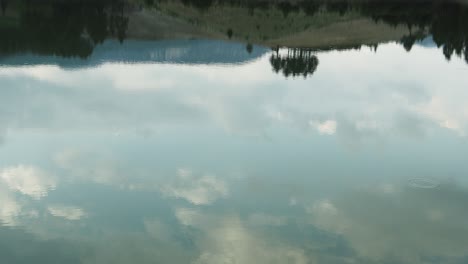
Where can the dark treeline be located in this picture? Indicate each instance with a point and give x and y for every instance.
(72, 28)
(295, 62)
(446, 21)
(62, 28)
(3, 6)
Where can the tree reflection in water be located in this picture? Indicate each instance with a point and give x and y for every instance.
(3, 5)
(74, 28)
(61, 28)
(445, 21)
(295, 62)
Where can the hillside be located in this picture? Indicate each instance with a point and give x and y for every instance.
(266, 26)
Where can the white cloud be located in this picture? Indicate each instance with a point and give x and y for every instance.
(327, 127)
(406, 225)
(324, 207)
(231, 242)
(67, 212)
(447, 112)
(28, 180)
(293, 201)
(198, 190)
(10, 209)
(250, 103)
(101, 167)
(225, 239)
(188, 216)
(388, 188)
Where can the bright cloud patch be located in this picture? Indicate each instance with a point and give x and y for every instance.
(9, 210)
(198, 190)
(414, 225)
(67, 212)
(228, 240)
(27, 180)
(327, 127)
(324, 206)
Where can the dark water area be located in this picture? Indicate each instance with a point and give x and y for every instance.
(212, 132)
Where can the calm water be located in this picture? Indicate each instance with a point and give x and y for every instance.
(216, 151)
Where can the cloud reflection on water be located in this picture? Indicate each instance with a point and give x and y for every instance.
(127, 130)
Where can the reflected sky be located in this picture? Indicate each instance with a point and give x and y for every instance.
(364, 162)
